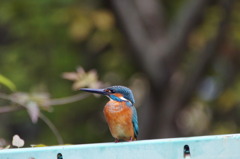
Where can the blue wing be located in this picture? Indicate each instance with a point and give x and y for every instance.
(135, 121)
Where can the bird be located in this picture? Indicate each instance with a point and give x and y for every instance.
(119, 112)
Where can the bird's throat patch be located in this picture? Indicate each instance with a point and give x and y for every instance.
(117, 97)
(114, 106)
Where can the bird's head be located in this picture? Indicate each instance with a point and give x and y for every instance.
(116, 93)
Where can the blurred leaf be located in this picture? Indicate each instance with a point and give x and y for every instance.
(227, 100)
(6, 82)
(224, 127)
(20, 97)
(80, 28)
(70, 76)
(33, 111)
(17, 141)
(42, 99)
(32, 102)
(103, 19)
(3, 143)
(99, 40)
(207, 30)
(190, 116)
(38, 145)
(230, 98)
(43, 145)
(83, 79)
(7, 147)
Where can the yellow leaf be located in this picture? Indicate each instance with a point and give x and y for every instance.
(103, 19)
(80, 28)
(6, 82)
(38, 145)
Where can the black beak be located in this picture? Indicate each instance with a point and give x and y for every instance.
(97, 91)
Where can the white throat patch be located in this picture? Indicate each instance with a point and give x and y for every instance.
(124, 99)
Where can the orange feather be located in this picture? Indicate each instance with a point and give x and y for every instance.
(119, 118)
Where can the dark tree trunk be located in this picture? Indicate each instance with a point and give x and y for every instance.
(159, 49)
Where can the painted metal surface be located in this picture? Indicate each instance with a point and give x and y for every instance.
(204, 147)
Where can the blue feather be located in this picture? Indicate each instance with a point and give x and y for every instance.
(126, 92)
(135, 121)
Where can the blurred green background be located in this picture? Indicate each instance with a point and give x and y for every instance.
(181, 58)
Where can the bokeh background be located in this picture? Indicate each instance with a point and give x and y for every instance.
(180, 57)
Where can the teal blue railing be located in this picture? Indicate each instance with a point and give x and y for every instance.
(204, 147)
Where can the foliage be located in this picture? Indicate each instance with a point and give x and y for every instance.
(83, 79)
(39, 41)
(34, 102)
(6, 82)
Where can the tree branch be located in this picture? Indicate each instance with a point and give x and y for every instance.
(51, 102)
(128, 14)
(67, 100)
(152, 15)
(52, 127)
(157, 57)
(171, 49)
(8, 109)
(181, 93)
(180, 29)
(139, 38)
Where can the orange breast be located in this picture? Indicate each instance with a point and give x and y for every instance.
(119, 119)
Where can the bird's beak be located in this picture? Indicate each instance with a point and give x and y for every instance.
(97, 91)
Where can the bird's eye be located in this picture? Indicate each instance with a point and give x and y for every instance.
(109, 91)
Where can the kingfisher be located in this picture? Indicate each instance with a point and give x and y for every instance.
(119, 112)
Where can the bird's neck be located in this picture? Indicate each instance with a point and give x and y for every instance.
(114, 106)
(119, 98)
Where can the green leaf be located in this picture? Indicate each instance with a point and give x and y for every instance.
(6, 82)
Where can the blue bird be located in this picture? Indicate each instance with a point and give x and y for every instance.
(119, 112)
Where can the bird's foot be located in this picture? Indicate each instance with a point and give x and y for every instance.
(116, 140)
(131, 139)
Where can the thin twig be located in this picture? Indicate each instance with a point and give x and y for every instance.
(8, 109)
(5, 96)
(53, 128)
(66, 100)
(51, 102)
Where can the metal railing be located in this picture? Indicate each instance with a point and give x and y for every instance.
(203, 147)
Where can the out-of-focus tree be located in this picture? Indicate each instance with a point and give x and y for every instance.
(189, 58)
(181, 58)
